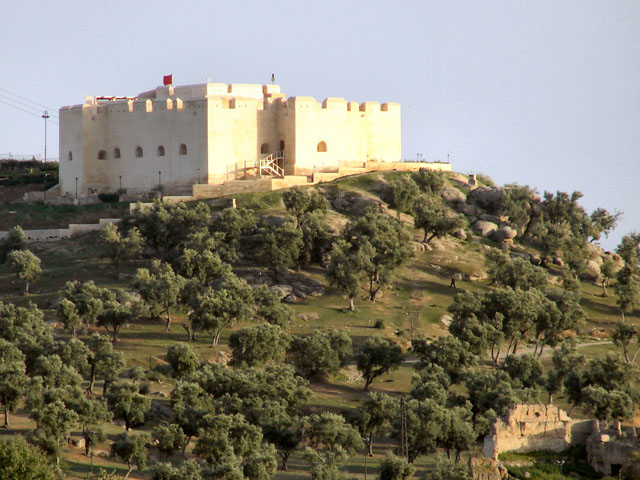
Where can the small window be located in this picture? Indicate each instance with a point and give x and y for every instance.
(116, 152)
(70, 156)
(282, 145)
(183, 149)
(322, 147)
(264, 148)
(102, 154)
(139, 152)
(161, 151)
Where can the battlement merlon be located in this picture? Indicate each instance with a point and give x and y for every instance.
(269, 95)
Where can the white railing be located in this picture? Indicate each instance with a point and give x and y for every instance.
(269, 164)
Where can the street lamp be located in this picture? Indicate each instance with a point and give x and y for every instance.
(45, 116)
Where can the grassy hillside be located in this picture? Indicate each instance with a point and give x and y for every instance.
(413, 306)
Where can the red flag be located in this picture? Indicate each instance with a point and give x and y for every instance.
(167, 79)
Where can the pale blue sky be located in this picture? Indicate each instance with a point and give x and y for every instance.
(540, 92)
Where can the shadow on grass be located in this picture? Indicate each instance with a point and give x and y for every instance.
(600, 308)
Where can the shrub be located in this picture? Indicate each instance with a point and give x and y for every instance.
(109, 197)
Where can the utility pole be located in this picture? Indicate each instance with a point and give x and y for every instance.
(404, 442)
(45, 116)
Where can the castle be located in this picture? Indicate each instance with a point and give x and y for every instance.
(211, 133)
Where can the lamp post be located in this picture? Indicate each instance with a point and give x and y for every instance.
(45, 115)
(120, 182)
(76, 188)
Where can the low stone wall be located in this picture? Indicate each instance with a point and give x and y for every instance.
(55, 234)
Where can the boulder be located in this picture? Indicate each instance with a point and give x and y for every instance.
(466, 209)
(484, 228)
(592, 271)
(452, 195)
(558, 261)
(504, 234)
(460, 233)
(446, 320)
(535, 259)
(487, 198)
(291, 298)
(282, 290)
(489, 218)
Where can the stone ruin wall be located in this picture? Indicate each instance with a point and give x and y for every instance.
(530, 428)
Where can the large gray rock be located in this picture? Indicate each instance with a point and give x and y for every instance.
(489, 218)
(452, 195)
(504, 234)
(592, 271)
(282, 290)
(484, 228)
(466, 209)
(487, 198)
(460, 234)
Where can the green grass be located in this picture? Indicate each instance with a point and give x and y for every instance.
(35, 216)
(412, 307)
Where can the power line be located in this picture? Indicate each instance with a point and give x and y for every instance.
(26, 111)
(24, 104)
(28, 100)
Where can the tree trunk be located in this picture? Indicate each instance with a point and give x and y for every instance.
(604, 289)
(168, 319)
(367, 382)
(85, 434)
(370, 444)
(6, 417)
(129, 472)
(285, 460)
(550, 398)
(92, 380)
(185, 445)
(352, 307)
(540, 352)
(26, 287)
(216, 338)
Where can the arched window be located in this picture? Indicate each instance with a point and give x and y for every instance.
(322, 147)
(264, 148)
(282, 145)
(139, 152)
(102, 154)
(116, 152)
(70, 156)
(183, 149)
(160, 151)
